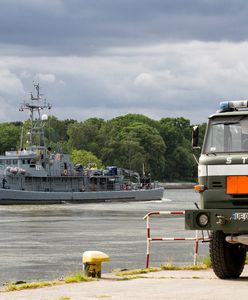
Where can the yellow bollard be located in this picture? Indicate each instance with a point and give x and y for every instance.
(92, 263)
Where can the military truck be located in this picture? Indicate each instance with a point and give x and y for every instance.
(223, 188)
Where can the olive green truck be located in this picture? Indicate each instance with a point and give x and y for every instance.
(223, 188)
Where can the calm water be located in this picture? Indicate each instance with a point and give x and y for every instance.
(47, 242)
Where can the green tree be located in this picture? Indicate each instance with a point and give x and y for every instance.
(56, 133)
(10, 134)
(85, 158)
(86, 135)
(153, 146)
(183, 164)
(176, 132)
(127, 154)
(134, 145)
(202, 129)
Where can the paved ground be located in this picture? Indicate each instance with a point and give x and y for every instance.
(186, 285)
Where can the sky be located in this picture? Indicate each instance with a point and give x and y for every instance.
(106, 58)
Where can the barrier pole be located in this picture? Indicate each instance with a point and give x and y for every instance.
(147, 242)
(150, 239)
(196, 248)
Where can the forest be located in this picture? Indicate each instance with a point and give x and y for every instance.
(133, 141)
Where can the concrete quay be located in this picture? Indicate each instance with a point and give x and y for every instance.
(185, 285)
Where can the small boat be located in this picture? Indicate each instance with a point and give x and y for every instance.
(37, 175)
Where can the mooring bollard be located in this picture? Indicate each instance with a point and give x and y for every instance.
(92, 263)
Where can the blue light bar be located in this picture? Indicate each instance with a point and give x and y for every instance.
(225, 105)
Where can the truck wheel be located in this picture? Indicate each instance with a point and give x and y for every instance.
(227, 259)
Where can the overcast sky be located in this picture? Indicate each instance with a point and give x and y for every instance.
(105, 58)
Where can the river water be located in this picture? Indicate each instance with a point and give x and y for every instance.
(46, 242)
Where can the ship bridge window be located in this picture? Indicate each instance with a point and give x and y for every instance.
(93, 180)
(26, 161)
(14, 162)
(31, 163)
(8, 162)
(102, 180)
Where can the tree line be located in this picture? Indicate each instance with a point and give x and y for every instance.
(133, 141)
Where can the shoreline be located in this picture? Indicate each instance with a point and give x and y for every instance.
(177, 185)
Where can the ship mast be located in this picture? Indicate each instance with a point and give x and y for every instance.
(35, 107)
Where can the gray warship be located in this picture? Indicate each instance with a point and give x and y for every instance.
(37, 175)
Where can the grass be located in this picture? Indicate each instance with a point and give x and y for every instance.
(130, 277)
(31, 285)
(207, 261)
(137, 271)
(246, 260)
(204, 264)
(170, 266)
(129, 274)
(77, 277)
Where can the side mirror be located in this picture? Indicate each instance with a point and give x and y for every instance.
(195, 136)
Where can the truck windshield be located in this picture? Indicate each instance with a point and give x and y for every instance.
(227, 134)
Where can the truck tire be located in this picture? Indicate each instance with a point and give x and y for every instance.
(227, 259)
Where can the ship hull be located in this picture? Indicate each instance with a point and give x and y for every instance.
(10, 196)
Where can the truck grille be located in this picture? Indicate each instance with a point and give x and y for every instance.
(217, 184)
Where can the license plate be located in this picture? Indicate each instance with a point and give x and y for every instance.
(238, 216)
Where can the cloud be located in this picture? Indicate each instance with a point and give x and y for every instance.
(170, 79)
(50, 78)
(10, 84)
(88, 27)
(107, 58)
(144, 80)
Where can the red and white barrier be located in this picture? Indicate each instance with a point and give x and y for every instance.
(150, 239)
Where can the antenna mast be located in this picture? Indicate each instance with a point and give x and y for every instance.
(35, 107)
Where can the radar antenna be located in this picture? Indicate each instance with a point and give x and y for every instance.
(35, 106)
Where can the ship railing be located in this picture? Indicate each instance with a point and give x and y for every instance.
(199, 234)
(19, 153)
